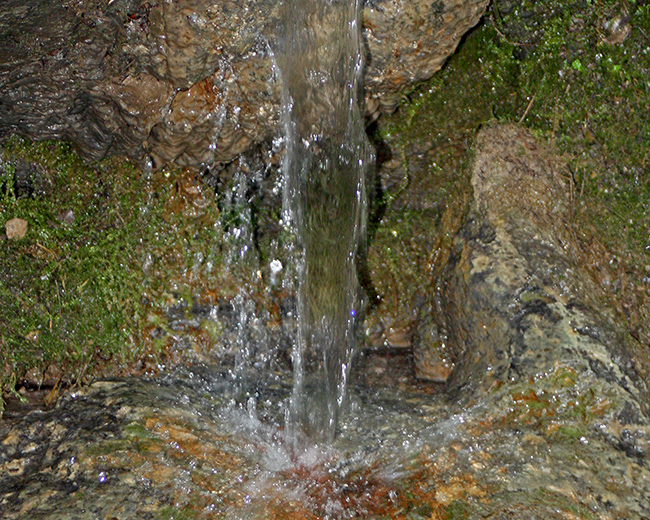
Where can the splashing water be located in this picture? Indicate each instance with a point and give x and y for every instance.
(321, 63)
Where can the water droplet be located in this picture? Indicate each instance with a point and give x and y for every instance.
(276, 266)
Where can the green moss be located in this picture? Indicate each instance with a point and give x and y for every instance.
(556, 405)
(106, 248)
(570, 432)
(401, 265)
(458, 510)
(591, 95)
(137, 431)
(559, 71)
(576, 73)
(561, 502)
(110, 447)
(214, 329)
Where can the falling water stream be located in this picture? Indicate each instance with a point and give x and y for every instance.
(321, 62)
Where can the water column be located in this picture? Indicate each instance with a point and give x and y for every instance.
(321, 61)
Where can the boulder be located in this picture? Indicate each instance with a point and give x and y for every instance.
(524, 316)
(189, 82)
(408, 42)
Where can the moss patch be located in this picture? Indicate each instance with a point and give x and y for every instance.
(556, 405)
(108, 250)
(577, 73)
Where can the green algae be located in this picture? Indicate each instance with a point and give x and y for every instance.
(175, 513)
(543, 503)
(109, 448)
(458, 510)
(135, 430)
(556, 405)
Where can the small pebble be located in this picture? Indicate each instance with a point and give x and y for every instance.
(16, 228)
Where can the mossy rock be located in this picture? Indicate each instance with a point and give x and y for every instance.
(576, 73)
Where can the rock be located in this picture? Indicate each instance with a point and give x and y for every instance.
(523, 315)
(66, 216)
(409, 42)
(16, 228)
(125, 446)
(191, 82)
(27, 178)
(431, 351)
(33, 377)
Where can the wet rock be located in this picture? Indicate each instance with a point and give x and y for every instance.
(431, 351)
(24, 178)
(148, 449)
(16, 228)
(526, 319)
(67, 216)
(190, 82)
(409, 41)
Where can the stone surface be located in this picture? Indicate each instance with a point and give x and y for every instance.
(193, 444)
(16, 228)
(520, 308)
(190, 82)
(408, 42)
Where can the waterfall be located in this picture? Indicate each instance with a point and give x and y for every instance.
(321, 62)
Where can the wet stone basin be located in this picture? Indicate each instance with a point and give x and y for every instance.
(193, 445)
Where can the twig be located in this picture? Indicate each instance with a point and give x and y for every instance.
(503, 36)
(46, 249)
(642, 31)
(530, 104)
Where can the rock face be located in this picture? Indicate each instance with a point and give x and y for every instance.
(147, 449)
(519, 306)
(190, 82)
(408, 42)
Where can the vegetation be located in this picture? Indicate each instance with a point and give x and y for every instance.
(577, 72)
(108, 250)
